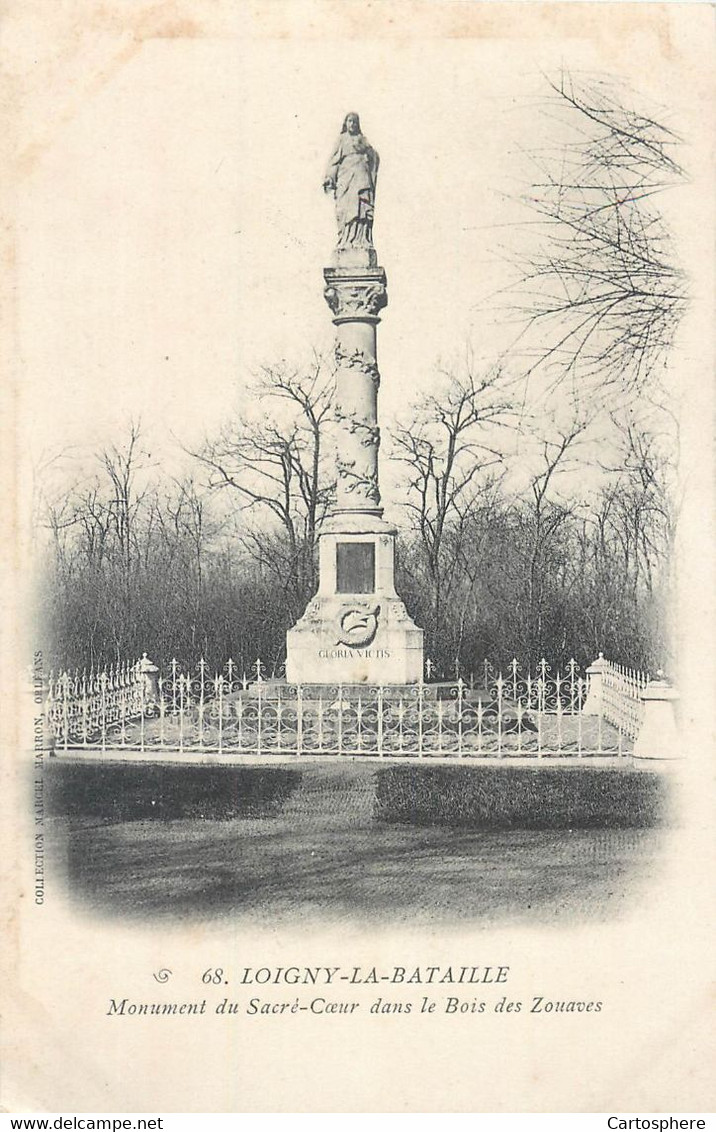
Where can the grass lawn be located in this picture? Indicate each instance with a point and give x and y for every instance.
(313, 846)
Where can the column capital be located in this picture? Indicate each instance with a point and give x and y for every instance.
(355, 294)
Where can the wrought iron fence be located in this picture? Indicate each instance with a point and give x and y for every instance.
(622, 703)
(86, 704)
(540, 714)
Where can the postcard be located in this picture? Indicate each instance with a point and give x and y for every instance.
(358, 562)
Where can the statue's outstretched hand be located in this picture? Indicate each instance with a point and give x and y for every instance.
(329, 185)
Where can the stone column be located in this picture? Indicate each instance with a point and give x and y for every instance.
(356, 629)
(356, 297)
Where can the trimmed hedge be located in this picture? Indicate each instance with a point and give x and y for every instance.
(458, 796)
(522, 798)
(119, 792)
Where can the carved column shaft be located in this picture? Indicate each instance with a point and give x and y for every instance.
(356, 297)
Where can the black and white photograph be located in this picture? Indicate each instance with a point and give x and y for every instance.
(359, 557)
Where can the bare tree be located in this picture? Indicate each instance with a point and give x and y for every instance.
(97, 532)
(636, 517)
(122, 463)
(276, 468)
(558, 548)
(601, 293)
(546, 510)
(451, 447)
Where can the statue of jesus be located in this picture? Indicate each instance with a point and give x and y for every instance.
(351, 177)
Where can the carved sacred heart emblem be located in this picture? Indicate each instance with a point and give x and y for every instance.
(357, 625)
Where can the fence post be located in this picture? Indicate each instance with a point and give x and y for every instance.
(594, 703)
(658, 736)
(150, 679)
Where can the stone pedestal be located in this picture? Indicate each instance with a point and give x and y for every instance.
(594, 703)
(659, 737)
(356, 629)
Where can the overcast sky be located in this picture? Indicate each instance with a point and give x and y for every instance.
(173, 229)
